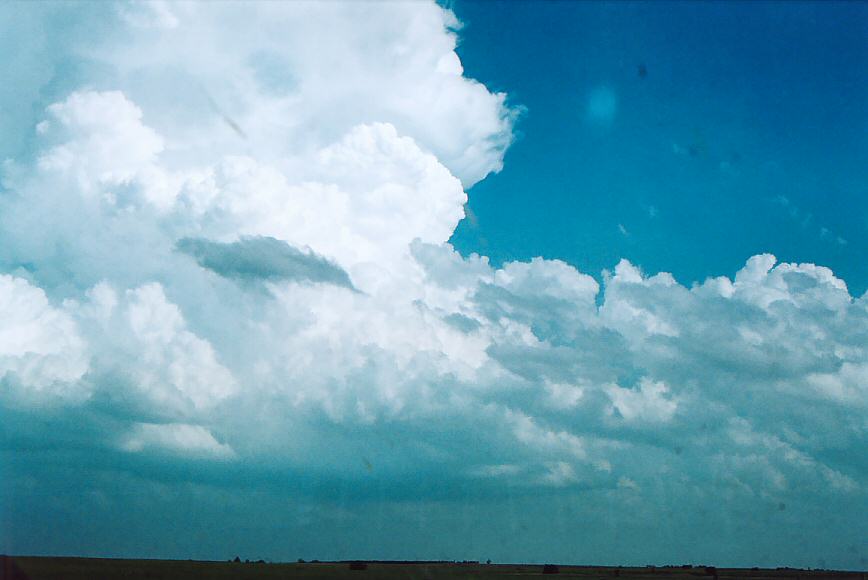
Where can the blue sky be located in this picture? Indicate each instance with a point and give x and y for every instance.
(771, 96)
(400, 281)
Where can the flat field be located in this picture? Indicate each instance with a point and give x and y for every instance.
(42, 568)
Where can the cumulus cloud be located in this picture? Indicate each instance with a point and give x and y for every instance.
(169, 364)
(40, 345)
(378, 355)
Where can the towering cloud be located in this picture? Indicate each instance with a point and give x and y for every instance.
(224, 246)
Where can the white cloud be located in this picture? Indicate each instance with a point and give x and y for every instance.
(175, 438)
(42, 354)
(173, 366)
(149, 14)
(365, 199)
(101, 145)
(357, 136)
(559, 474)
(431, 332)
(564, 396)
(303, 77)
(648, 403)
(543, 440)
(495, 470)
(142, 345)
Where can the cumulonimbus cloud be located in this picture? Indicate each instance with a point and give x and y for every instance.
(130, 226)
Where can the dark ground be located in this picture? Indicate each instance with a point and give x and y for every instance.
(39, 568)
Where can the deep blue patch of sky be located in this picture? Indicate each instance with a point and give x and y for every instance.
(683, 136)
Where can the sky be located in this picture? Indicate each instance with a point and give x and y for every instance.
(528, 282)
(770, 97)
